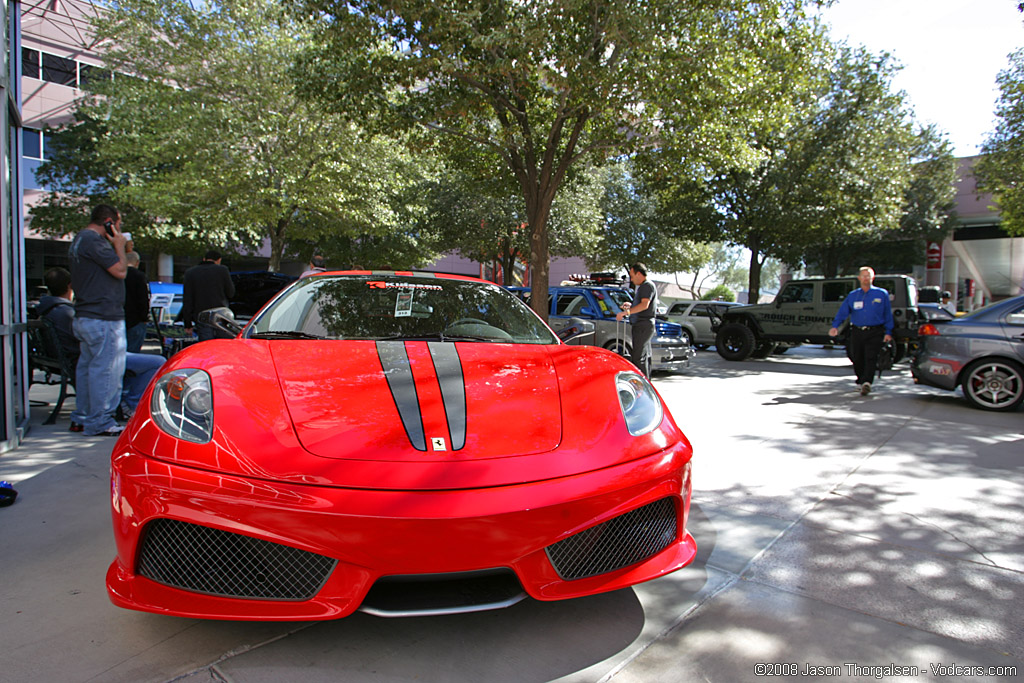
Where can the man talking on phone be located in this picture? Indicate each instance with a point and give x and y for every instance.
(98, 269)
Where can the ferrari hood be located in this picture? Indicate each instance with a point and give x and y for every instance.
(401, 401)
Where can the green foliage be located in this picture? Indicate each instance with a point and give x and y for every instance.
(208, 134)
(536, 91)
(837, 167)
(635, 230)
(927, 215)
(485, 220)
(719, 293)
(1001, 168)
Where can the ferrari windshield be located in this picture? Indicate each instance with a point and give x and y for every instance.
(399, 307)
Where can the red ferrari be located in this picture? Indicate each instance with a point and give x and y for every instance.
(396, 443)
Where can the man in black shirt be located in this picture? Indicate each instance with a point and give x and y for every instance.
(641, 317)
(206, 286)
(136, 303)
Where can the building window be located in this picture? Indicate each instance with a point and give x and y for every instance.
(32, 143)
(88, 73)
(60, 70)
(29, 63)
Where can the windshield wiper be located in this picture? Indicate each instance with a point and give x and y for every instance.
(466, 337)
(284, 334)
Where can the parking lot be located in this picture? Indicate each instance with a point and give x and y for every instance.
(840, 537)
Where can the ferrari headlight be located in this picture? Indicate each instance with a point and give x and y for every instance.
(182, 405)
(640, 404)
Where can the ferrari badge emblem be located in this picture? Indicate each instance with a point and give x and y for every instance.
(438, 444)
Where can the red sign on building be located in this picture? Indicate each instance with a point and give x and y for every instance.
(933, 257)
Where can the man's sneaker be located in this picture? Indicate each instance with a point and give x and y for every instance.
(75, 427)
(113, 431)
(865, 388)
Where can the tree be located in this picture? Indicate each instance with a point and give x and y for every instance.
(201, 126)
(723, 266)
(928, 215)
(837, 168)
(540, 89)
(78, 179)
(719, 293)
(1001, 167)
(635, 230)
(484, 219)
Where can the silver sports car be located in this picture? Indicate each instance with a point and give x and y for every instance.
(983, 352)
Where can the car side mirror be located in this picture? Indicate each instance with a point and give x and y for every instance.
(587, 312)
(575, 328)
(222, 320)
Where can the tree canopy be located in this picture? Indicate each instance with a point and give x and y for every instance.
(635, 229)
(838, 166)
(1001, 168)
(928, 214)
(539, 90)
(200, 125)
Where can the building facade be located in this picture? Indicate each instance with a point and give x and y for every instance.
(979, 263)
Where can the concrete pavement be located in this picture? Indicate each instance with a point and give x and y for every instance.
(837, 533)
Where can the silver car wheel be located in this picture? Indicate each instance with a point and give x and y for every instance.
(994, 384)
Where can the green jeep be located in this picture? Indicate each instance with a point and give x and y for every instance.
(803, 312)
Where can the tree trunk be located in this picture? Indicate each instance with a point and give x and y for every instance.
(277, 244)
(538, 209)
(508, 267)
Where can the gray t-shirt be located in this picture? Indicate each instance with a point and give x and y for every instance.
(98, 294)
(645, 290)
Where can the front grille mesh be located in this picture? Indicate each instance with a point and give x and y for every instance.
(620, 542)
(206, 560)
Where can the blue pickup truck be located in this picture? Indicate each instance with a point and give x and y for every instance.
(599, 305)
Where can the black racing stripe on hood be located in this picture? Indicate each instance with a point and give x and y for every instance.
(398, 372)
(448, 367)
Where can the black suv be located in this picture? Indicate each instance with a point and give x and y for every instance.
(253, 288)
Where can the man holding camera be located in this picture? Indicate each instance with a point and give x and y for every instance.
(98, 269)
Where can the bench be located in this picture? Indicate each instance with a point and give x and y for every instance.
(46, 355)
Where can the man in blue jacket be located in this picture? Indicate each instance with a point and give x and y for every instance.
(871, 323)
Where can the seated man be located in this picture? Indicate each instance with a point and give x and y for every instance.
(58, 309)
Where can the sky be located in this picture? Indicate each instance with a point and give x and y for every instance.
(951, 52)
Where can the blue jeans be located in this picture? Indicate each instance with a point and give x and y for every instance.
(100, 371)
(136, 336)
(138, 371)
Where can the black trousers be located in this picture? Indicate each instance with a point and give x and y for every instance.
(864, 347)
(643, 333)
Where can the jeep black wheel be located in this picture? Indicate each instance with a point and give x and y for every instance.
(735, 341)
